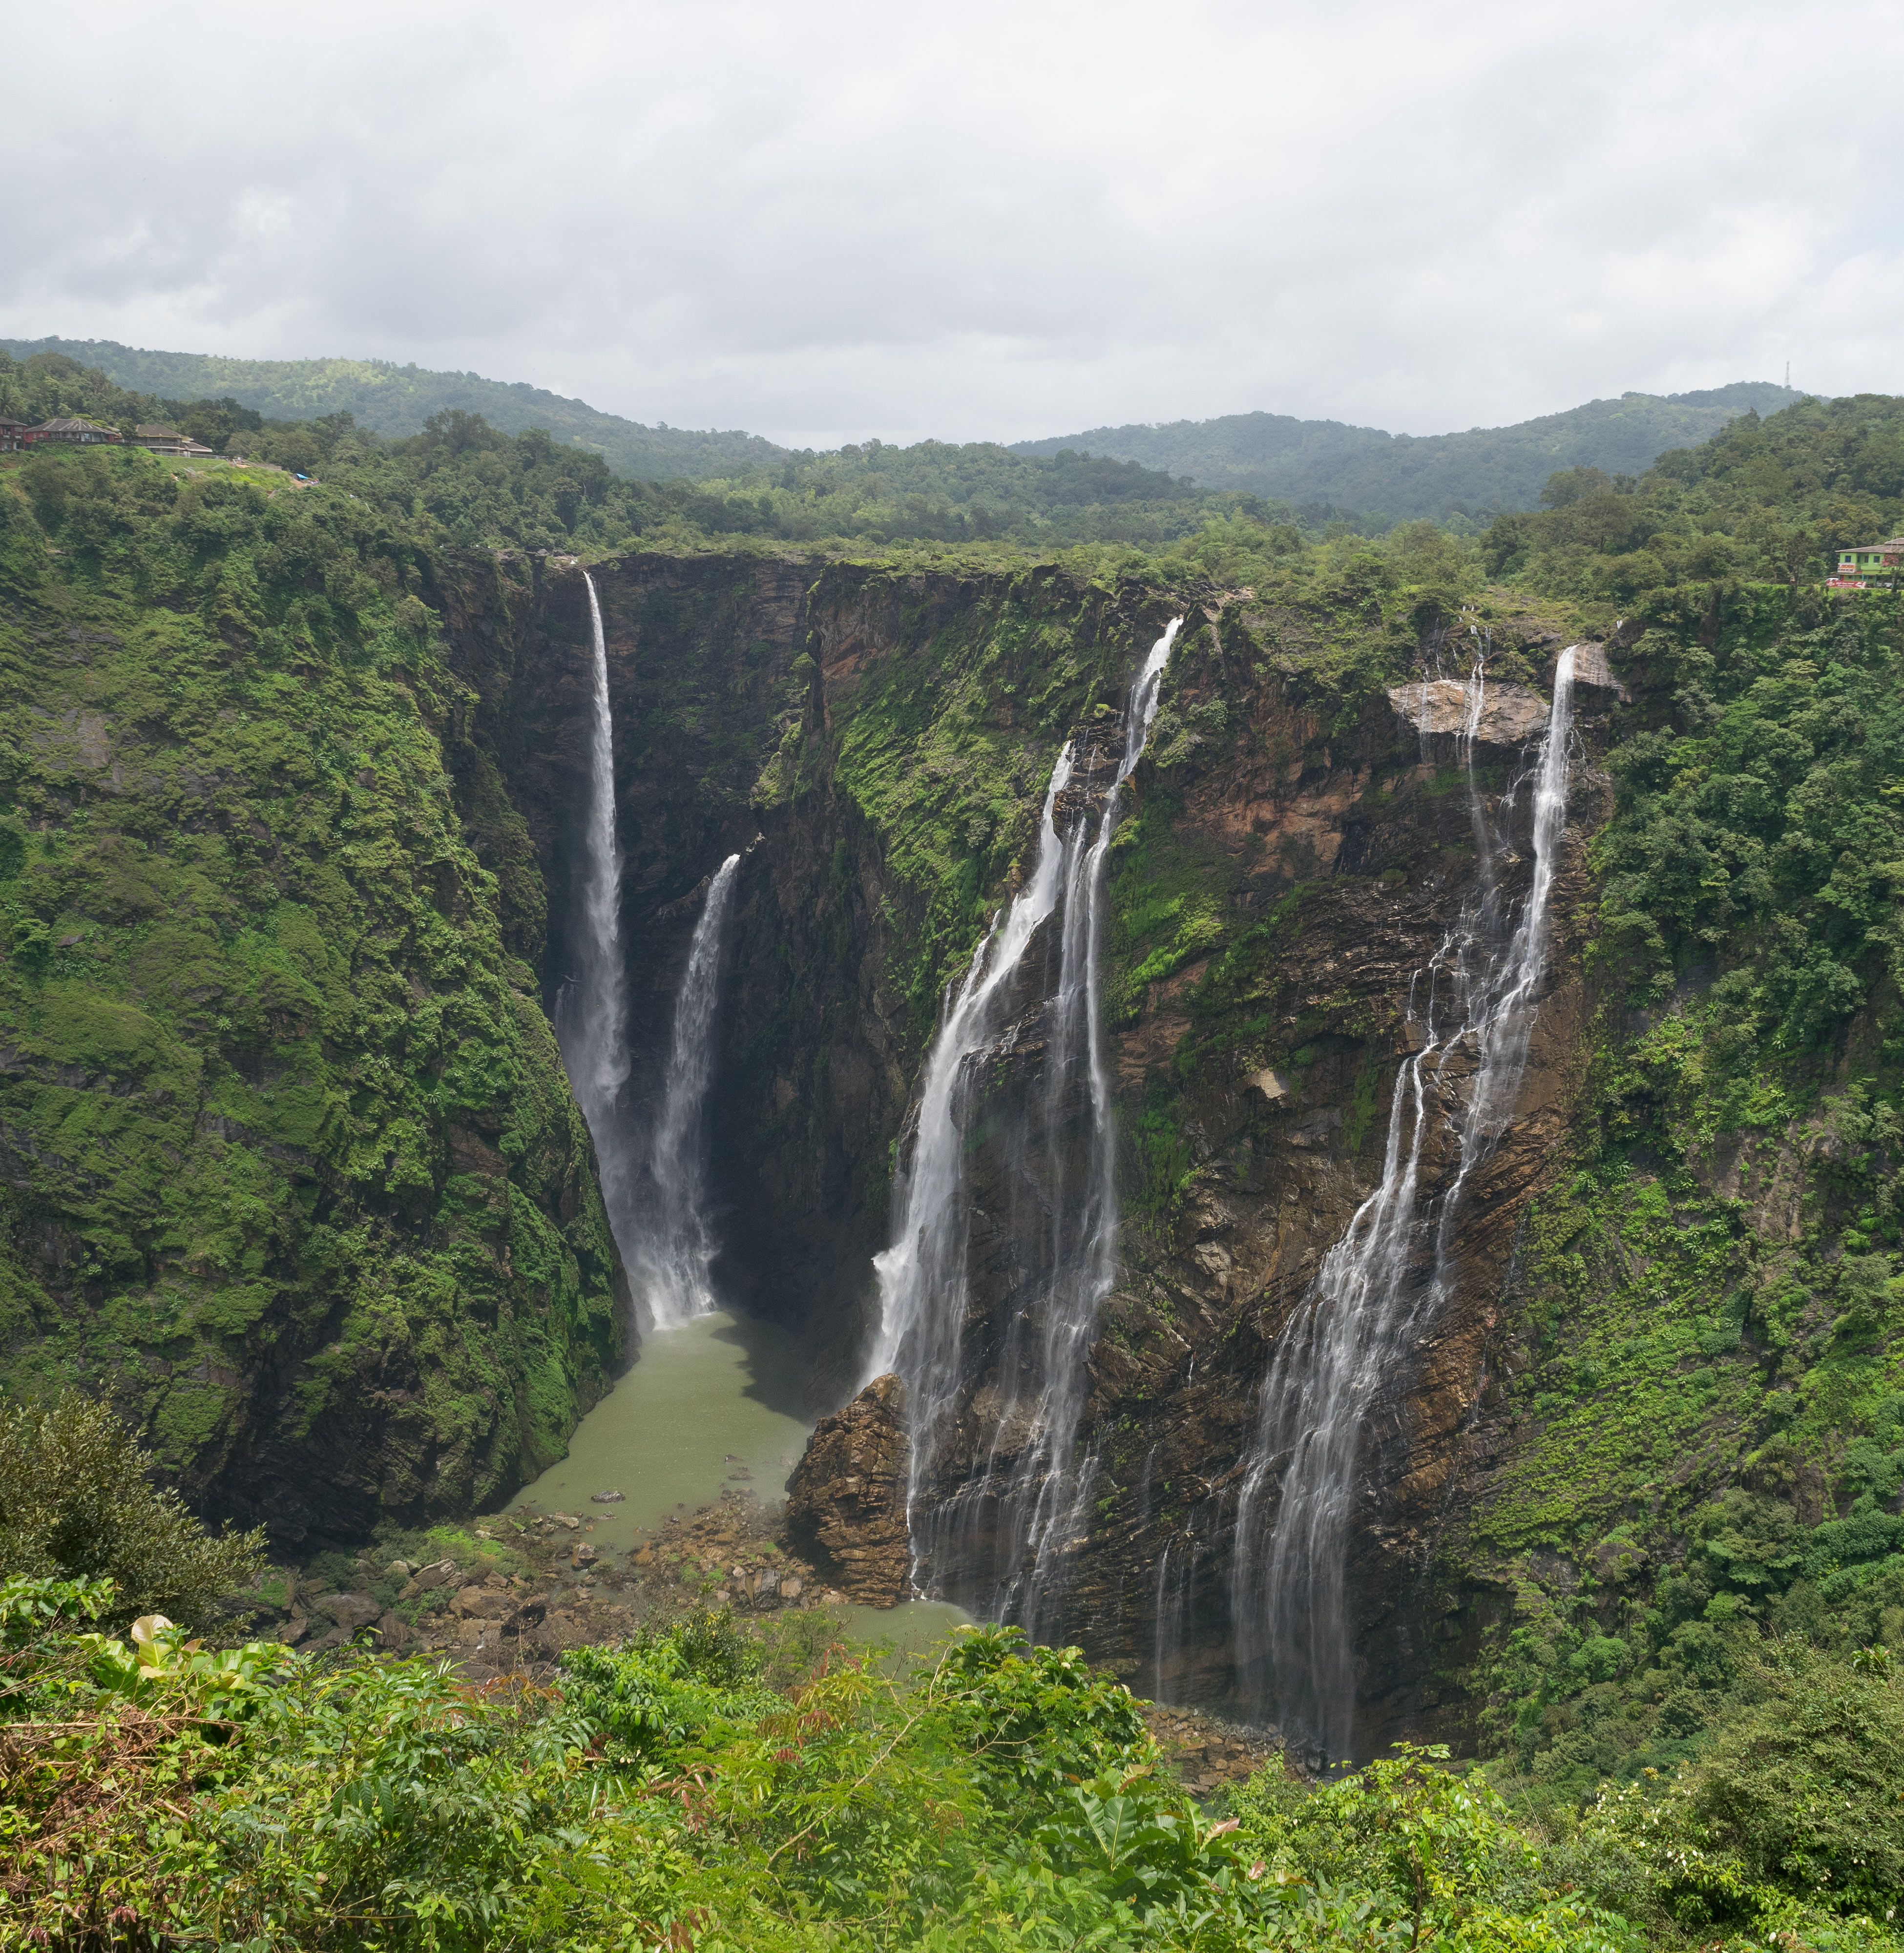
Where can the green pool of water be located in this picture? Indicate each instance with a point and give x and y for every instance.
(711, 1406)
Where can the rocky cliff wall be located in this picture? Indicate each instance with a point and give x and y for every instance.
(876, 746)
(1288, 874)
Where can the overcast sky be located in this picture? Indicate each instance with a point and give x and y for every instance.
(825, 221)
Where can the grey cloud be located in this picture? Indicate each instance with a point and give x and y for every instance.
(825, 222)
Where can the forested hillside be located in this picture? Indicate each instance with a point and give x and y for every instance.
(1396, 476)
(1360, 475)
(398, 401)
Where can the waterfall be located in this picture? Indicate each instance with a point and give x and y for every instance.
(1027, 1500)
(592, 1013)
(676, 1249)
(1471, 1010)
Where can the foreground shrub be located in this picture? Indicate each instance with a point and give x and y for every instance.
(76, 1499)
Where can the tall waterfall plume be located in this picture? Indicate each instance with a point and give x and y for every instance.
(1472, 1010)
(1024, 1497)
(592, 1013)
(676, 1251)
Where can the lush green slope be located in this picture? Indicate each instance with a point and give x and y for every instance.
(705, 1785)
(288, 1162)
(1398, 475)
(397, 401)
(1702, 1415)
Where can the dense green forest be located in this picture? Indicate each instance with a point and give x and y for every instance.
(1397, 476)
(398, 401)
(710, 1785)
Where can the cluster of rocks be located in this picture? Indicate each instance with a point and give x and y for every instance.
(726, 1556)
(557, 1589)
(1208, 1754)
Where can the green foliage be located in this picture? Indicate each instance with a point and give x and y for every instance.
(77, 1504)
(1039, 1716)
(268, 1032)
(1770, 501)
(398, 401)
(1007, 1798)
(161, 1668)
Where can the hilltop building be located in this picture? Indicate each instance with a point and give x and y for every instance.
(12, 435)
(83, 432)
(159, 439)
(1869, 562)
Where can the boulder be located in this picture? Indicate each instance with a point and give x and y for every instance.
(426, 1578)
(846, 1499)
(606, 1498)
(529, 1615)
(350, 1611)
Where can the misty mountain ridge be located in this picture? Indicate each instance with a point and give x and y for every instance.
(1483, 471)
(1323, 464)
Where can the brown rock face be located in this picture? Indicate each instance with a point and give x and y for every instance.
(1509, 715)
(846, 1500)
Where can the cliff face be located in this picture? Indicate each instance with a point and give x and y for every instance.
(289, 1170)
(877, 746)
(1279, 893)
(1291, 859)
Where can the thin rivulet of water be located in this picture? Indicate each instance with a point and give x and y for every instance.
(1031, 1488)
(1472, 1009)
(675, 1254)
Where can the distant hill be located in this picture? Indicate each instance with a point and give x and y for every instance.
(1483, 471)
(397, 400)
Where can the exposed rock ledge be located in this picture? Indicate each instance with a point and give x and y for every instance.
(846, 1499)
(1510, 714)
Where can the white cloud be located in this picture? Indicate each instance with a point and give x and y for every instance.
(828, 222)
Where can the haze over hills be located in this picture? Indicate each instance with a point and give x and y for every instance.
(1484, 471)
(1315, 464)
(397, 400)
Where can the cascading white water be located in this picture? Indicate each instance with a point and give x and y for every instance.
(1389, 1274)
(676, 1247)
(923, 1277)
(591, 1013)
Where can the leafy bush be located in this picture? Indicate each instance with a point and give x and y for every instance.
(77, 1501)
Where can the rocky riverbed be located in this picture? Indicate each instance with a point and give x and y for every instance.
(531, 1583)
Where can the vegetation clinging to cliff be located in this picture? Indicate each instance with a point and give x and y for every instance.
(284, 1116)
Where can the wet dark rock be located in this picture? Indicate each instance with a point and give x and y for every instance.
(846, 1499)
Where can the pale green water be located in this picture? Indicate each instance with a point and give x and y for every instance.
(716, 1396)
(720, 1384)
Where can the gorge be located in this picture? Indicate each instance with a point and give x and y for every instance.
(1192, 1022)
